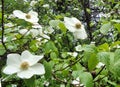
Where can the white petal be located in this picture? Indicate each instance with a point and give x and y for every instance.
(38, 69)
(33, 13)
(11, 69)
(31, 59)
(75, 20)
(69, 21)
(70, 27)
(78, 48)
(25, 74)
(80, 34)
(24, 32)
(13, 59)
(37, 25)
(34, 17)
(19, 14)
(34, 32)
(99, 65)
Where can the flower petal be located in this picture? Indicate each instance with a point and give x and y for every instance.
(19, 14)
(75, 20)
(31, 59)
(80, 34)
(13, 59)
(70, 24)
(70, 28)
(38, 69)
(69, 21)
(34, 32)
(34, 17)
(25, 74)
(33, 13)
(11, 69)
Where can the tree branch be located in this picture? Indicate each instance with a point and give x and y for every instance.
(85, 4)
(2, 23)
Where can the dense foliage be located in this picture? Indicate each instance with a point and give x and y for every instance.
(70, 58)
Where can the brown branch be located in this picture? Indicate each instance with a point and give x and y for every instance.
(69, 65)
(100, 71)
(86, 5)
(2, 23)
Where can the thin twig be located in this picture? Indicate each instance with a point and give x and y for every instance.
(100, 71)
(2, 23)
(86, 5)
(70, 64)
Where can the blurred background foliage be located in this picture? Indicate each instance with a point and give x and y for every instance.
(102, 23)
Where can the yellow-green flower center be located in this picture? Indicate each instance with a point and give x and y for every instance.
(78, 25)
(24, 65)
(28, 16)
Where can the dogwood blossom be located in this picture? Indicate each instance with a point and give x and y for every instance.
(100, 64)
(33, 2)
(74, 54)
(76, 82)
(76, 27)
(25, 65)
(31, 16)
(37, 25)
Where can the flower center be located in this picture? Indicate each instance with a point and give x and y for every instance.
(78, 25)
(28, 16)
(24, 65)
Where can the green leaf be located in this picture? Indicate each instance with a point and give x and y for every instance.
(104, 57)
(117, 55)
(105, 28)
(50, 47)
(54, 23)
(30, 82)
(104, 47)
(53, 55)
(62, 27)
(2, 49)
(92, 62)
(48, 69)
(33, 45)
(86, 79)
(116, 69)
(114, 20)
(117, 26)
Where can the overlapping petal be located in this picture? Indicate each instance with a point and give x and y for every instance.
(13, 59)
(38, 69)
(10, 69)
(19, 14)
(32, 59)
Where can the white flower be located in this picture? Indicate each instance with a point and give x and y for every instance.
(46, 5)
(99, 65)
(74, 54)
(11, 16)
(37, 25)
(24, 31)
(49, 30)
(34, 32)
(76, 27)
(9, 25)
(77, 83)
(13, 85)
(32, 3)
(43, 35)
(0, 83)
(25, 65)
(31, 16)
(79, 48)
